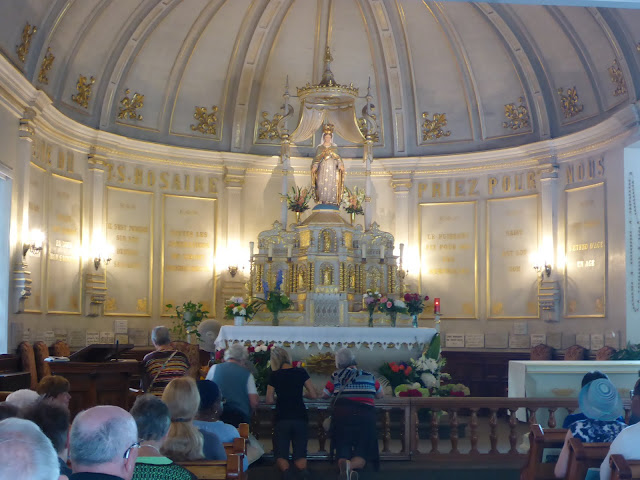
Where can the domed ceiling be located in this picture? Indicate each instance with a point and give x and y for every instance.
(445, 77)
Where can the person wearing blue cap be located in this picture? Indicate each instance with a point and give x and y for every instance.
(600, 402)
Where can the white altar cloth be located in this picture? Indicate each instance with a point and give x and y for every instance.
(331, 337)
(561, 379)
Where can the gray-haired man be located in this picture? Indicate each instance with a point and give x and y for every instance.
(103, 444)
(26, 453)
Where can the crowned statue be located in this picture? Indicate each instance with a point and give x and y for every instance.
(327, 170)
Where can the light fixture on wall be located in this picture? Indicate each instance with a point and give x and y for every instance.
(233, 270)
(543, 270)
(35, 242)
(102, 254)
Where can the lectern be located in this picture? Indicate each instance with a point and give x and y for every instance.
(96, 376)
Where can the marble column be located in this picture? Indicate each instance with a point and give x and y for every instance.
(368, 186)
(549, 288)
(20, 275)
(96, 277)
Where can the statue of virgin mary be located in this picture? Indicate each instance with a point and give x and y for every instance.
(327, 170)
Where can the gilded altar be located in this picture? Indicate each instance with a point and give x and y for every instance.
(327, 265)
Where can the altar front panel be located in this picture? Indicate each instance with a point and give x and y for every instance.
(562, 379)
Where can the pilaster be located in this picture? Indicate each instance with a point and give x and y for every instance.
(549, 288)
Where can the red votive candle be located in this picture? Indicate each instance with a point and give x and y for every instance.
(436, 305)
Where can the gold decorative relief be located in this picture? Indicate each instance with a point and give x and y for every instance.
(23, 49)
(362, 125)
(617, 78)
(433, 129)
(563, 392)
(268, 129)
(128, 110)
(207, 122)
(518, 115)
(84, 87)
(569, 102)
(47, 63)
(110, 304)
(497, 308)
(141, 305)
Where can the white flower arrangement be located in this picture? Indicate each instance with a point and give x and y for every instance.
(429, 370)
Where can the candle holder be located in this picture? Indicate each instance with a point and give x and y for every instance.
(437, 322)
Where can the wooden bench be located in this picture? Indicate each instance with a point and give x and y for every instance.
(239, 445)
(217, 469)
(623, 469)
(539, 440)
(583, 456)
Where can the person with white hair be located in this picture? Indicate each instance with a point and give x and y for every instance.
(103, 444)
(353, 422)
(22, 398)
(26, 453)
(237, 384)
(162, 365)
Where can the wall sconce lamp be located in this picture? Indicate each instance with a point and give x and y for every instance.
(233, 270)
(102, 255)
(543, 270)
(35, 243)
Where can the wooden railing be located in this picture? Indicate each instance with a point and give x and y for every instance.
(493, 429)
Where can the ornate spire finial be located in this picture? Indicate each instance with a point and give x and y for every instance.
(327, 75)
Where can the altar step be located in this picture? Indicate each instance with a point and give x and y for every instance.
(322, 470)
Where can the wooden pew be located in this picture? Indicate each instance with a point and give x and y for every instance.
(623, 469)
(216, 469)
(239, 445)
(583, 456)
(540, 439)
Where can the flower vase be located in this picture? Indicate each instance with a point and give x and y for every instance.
(353, 218)
(414, 321)
(370, 319)
(274, 320)
(238, 321)
(392, 316)
(298, 218)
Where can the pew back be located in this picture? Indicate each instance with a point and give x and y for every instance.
(216, 469)
(539, 440)
(623, 469)
(583, 456)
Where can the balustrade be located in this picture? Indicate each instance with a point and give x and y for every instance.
(493, 429)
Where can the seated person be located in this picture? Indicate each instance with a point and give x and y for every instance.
(237, 384)
(208, 417)
(153, 421)
(600, 402)
(588, 377)
(184, 441)
(162, 365)
(26, 453)
(56, 388)
(22, 398)
(8, 411)
(53, 419)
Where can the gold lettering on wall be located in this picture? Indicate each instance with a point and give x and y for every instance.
(584, 170)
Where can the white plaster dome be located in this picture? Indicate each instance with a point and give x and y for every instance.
(465, 60)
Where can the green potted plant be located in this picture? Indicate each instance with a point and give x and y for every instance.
(189, 315)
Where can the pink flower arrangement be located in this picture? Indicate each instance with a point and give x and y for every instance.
(415, 303)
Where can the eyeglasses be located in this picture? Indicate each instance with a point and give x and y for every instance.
(128, 450)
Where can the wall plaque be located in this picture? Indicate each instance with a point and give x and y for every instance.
(129, 230)
(188, 247)
(512, 236)
(448, 255)
(585, 252)
(65, 244)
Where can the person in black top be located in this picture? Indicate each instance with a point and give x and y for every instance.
(286, 386)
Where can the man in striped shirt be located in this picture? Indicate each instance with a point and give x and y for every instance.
(162, 365)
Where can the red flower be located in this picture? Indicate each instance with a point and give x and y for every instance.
(408, 371)
(407, 297)
(395, 368)
(220, 354)
(403, 394)
(401, 367)
(389, 304)
(457, 394)
(251, 349)
(426, 298)
(414, 393)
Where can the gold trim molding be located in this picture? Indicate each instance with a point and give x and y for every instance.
(47, 63)
(84, 87)
(23, 49)
(207, 122)
(433, 129)
(569, 102)
(130, 106)
(517, 116)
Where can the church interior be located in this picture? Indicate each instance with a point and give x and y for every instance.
(380, 175)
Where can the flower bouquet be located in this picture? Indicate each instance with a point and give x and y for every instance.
(415, 306)
(275, 300)
(260, 357)
(353, 201)
(240, 310)
(189, 315)
(398, 373)
(298, 200)
(429, 371)
(411, 390)
(392, 308)
(371, 301)
(453, 390)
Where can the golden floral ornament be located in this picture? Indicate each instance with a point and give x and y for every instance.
(128, 110)
(23, 49)
(617, 78)
(268, 129)
(433, 128)
(569, 102)
(362, 126)
(517, 115)
(47, 63)
(207, 122)
(83, 87)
